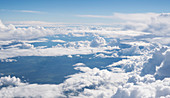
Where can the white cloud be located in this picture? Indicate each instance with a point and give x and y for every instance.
(23, 11)
(32, 23)
(131, 51)
(30, 50)
(79, 64)
(10, 81)
(93, 83)
(28, 11)
(164, 69)
(150, 66)
(98, 41)
(94, 16)
(70, 56)
(60, 41)
(32, 90)
(1, 25)
(10, 32)
(141, 17)
(161, 40)
(143, 63)
(8, 60)
(114, 42)
(151, 90)
(99, 80)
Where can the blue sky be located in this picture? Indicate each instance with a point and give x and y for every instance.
(67, 10)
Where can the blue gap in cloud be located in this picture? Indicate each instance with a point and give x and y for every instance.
(50, 70)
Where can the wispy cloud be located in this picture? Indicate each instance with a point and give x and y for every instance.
(40, 23)
(29, 11)
(94, 16)
(23, 11)
(126, 16)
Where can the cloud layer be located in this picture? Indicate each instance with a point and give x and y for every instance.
(142, 46)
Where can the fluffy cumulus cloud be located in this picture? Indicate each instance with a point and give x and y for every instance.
(92, 83)
(98, 41)
(10, 81)
(156, 23)
(164, 69)
(32, 90)
(114, 42)
(156, 89)
(82, 84)
(11, 32)
(156, 60)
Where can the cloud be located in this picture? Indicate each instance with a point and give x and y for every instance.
(23, 11)
(29, 90)
(11, 32)
(133, 50)
(92, 83)
(114, 42)
(156, 60)
(1, 25)
(32, 23)
(164, 69)
(59, 41)
(10, 81)
(98, 44)
(98, 41)
(141, 61)
(137, 17)
(155, 89)
(94, 16)
(29, 11)
(79, 64)
(8, 60)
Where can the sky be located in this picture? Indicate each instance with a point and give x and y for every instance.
(71, 11)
